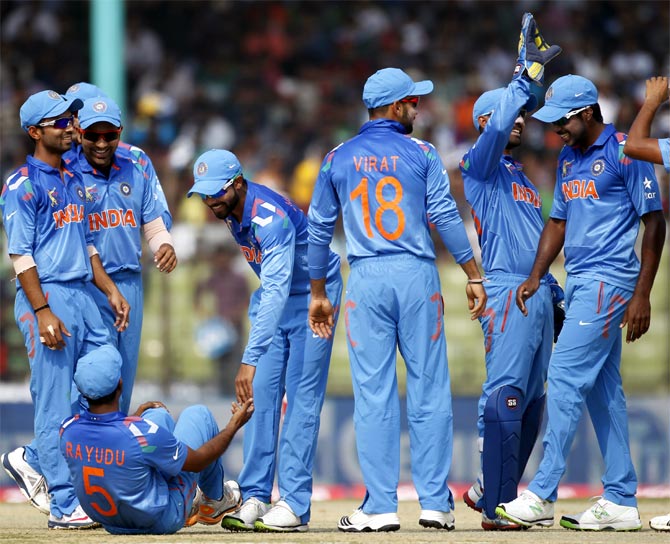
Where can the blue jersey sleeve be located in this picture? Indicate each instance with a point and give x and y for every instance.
(443, 212)
(664, 144)
(642, 186)
(19, 205)
(161, 449)
(277, 242)
(322, 216)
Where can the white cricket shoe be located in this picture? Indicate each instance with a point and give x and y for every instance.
(436, 519)
(359, 522)
(32, 484)
(78, 519)
(660, 523)
(244, 517)
(211, 511)
(528, 509)
(604, 515)
(472, 496)
(280, 518)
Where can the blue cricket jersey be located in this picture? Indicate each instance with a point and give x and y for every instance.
(601, 194)
(121, 467)
(664, 144)
(118, 207)
(506, 206)
(44, 216)
(391, 188)
(273, 238)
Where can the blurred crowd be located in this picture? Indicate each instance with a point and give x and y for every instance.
(280, 83)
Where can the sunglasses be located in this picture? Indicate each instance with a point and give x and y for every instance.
(94, 135)
(60, 123)
(414, 100)
(564, 120)
(221, 192)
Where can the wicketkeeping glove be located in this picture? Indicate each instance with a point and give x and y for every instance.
(534, 51)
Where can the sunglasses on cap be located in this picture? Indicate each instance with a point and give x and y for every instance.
(222, 191)
(60, 123)
(564, 120)
(414, 100)
(94, 135)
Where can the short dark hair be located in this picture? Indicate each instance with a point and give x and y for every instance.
(597, 114)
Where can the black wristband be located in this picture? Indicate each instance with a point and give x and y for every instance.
(41, 308)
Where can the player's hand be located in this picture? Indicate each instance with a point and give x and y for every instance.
(121, 308)
(534, 52)
(241, 413)
(51, 330)
(526, 290)
(148, 406)
(244, 383)
(656, 90)
(637, 316)
(476, 299)
(321, 317)
(165, 258)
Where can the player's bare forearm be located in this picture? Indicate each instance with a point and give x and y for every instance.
(637, 316)
(549, 246)
(639, 144)
(50, 328)
(474, 289)
(210, 451)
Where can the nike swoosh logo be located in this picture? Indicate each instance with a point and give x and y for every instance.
(582, 323)
(9, 215)
(578, 94)
(315, 335)
(444, 171)
(176, 454)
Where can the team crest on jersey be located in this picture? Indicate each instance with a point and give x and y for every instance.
(54, 198)
(566, 167)
(125, 189)
(202, 168)
(80, 192)
(598, 167)
(91, 193)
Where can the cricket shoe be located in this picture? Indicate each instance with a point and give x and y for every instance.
(280, 519)
(192, 517)
(473, 495)
(211, 511)
(32, 484)
(360, 522)
(500, 524)
(604, 515)
(78, 519)
(528, 509)
(435, 519)
(244, 517)
(660, 523)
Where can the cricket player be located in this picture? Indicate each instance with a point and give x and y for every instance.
(391, 188)
(282, 353)
(55, 259)
(599, 199)
(138, 474)
(507, 212)
(639, 145)
(122, 204)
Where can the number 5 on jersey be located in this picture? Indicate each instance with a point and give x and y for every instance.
(383, 205)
